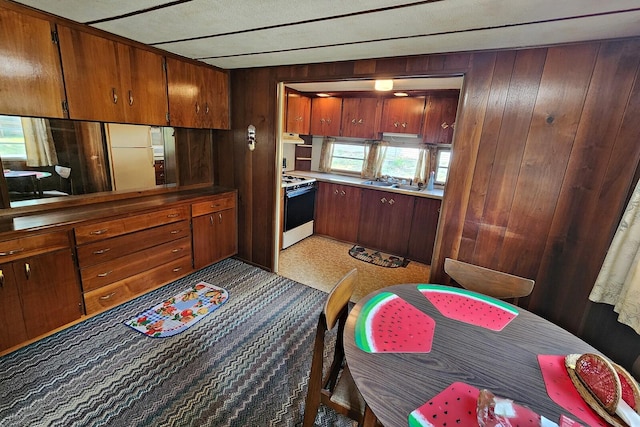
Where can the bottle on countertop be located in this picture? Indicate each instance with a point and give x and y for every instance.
(432, 177)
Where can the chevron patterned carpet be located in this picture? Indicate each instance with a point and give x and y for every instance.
(246, 364)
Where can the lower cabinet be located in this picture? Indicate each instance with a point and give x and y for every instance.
(385, 221)
(423, 229)
(338, 211)
(38, 293)
(215, 229)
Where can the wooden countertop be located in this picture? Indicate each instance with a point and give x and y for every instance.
(20, 223)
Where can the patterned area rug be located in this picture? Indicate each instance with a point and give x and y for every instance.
(179, 312)
(376, 257)
(246, 365)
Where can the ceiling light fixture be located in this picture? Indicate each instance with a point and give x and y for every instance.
(384, 85)
(323, 95)
(401, 94)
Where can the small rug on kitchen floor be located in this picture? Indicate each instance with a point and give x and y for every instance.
(377, 257)
(180, 312)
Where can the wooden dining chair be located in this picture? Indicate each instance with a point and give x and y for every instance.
(336, 389)
(489, 282)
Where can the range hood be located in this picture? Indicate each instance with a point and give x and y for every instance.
(291, 138)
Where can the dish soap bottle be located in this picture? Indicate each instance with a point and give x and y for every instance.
(431, 181)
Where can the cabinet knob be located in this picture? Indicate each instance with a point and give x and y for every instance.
(444, 125)
(353, 121)
(1, 279)
(197, 108)
(329, 121)
(342, 193)
(391, 201)
(404, 124)
(321, 121)
(27, 270)
(383, 200)
(206, 108)
(220, 218)
(130, 98)
(335, 191)
(396, 124)
(114, 95)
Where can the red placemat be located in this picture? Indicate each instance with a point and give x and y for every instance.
(562, 391)
(456, 406)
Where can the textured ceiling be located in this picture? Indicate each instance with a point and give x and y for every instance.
(251, 33)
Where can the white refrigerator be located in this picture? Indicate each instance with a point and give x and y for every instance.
(131, 157)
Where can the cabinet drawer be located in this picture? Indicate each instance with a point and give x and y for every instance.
(117, 227)
(99, 275)
(108, 249)
(124, 290)
(213, 205)
(33, 245)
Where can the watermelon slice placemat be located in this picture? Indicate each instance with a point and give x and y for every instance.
(388, 323)
(470, 307)
(562, 391)
(180, 312)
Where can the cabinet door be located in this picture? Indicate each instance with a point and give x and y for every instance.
(298, 113)
(12, 328)
(385, 221)
(183, 84)
(215, 98)
(325, 116)
(144, 91)
(402, 115)
(439, 119)
(359, 117)
(226, 234)
(31, 83)
(423, 229)
(91, 76)
(214, 237)
(49, 290)
(338, 211)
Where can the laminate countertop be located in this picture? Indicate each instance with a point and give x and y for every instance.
(436, 193)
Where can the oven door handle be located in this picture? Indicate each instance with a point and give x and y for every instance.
(299, 192)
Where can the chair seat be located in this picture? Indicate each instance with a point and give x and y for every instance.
(346, 393)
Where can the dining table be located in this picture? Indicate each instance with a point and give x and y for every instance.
(34, 178)
(507, 361)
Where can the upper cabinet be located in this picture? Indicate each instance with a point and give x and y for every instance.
(31, 77)
(110, 81)
(325, 116)
(198, 95)
(402, 115)
(359, 117)
(298, 113)
(440, 118)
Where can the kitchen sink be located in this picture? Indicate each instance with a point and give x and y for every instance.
(406, 187)
(378, 183)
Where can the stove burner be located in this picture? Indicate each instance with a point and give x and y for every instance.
(289, 181)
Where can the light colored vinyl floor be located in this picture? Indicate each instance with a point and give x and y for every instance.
(320, 262)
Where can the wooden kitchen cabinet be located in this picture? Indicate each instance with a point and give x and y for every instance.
(359, 117)
(215, 229)
(31, 83)
(198, 96)
(439, 118)
(110, 81)
(298, 113)
(40, 290)
(338, 211)
(385, 221)
(424, 225)
(402, 115)
(325, 116)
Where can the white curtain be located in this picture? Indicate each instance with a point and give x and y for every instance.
(39, 142)
(618, 283)
(423, 167)
(372, 167)
(326, 153)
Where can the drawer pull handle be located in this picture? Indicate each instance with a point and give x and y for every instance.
(98, 232)
(175, 231)
(173, 215)
(175, 270)
(27, 270)
(105, 274)
(108, 296)
(101, 251)
(176, 250)
(220, 218)
(217, 205)
(12, 252)
(1, 279)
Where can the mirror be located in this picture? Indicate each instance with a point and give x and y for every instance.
(51, 158)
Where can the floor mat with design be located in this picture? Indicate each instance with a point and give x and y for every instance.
(376, 257)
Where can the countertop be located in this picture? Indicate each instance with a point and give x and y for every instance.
(436, 193)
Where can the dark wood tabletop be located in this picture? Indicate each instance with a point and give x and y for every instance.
(505, 362)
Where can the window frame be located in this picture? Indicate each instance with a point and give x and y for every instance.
(20, 157)
(365, 150)
(439, 151)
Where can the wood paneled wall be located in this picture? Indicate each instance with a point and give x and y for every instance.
(545, 153)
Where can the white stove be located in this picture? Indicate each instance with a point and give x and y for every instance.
(289, 181)
(299, 207)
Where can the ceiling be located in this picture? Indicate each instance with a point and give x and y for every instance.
(250, 33)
